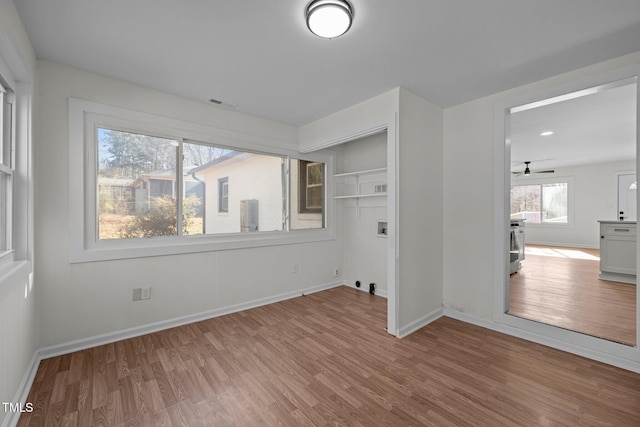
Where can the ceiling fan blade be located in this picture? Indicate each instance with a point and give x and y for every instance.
(547, 171)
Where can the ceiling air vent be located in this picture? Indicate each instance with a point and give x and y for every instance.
(222, 104)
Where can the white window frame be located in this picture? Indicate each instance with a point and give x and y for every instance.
(84, 245)
(570, 197)
(15, 261)
(7, 166)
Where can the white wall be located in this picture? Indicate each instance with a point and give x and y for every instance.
(420, 212)
(365, 253)
(468, 200)
(88, 299)
(595, 192)
(18, 311)
(418, 199)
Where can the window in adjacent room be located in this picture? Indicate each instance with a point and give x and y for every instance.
(541, 203)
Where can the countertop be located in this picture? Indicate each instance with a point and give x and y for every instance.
(606, 221)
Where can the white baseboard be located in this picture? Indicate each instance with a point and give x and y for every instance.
(11, 418)
(618, 277)
(609, 359)
(421, 322)
(563, 245)
(82, 344)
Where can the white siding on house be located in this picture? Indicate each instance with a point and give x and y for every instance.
(250, 177)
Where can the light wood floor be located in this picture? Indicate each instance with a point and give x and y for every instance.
(326, 359)
(560, 287)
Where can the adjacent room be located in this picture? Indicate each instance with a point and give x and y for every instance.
(572, 197)
(329, 212)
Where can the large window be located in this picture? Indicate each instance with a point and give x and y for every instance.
(541, 203)
(6, 166)
(142, 185)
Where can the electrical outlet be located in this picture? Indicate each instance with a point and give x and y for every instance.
(137, 294)
(294, 268)
(146, 293)
(336, 272)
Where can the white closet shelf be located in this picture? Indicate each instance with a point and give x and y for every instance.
(360, 196)
(362, 172)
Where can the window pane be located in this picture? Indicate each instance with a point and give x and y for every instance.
(136, 185)
(526, 202)
(241, 192)
(307, 194)
(5, 128)
(4, 179)
(554, 202)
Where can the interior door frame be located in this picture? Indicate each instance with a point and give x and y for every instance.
(595, 348)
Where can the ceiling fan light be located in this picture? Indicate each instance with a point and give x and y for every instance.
(527, 171)
(329, 18)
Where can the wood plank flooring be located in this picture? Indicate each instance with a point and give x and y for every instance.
(325, 359)
(560, 287)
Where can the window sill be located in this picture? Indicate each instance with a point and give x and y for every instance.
(166, 246)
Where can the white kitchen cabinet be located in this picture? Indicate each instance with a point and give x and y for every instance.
(618, 251)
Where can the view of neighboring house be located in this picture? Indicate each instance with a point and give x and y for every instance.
(129, 196)
(244, 192)
(237, 192)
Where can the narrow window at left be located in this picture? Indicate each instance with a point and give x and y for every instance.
(6, 166)
(137, 185)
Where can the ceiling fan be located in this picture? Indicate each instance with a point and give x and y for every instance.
(528, 172)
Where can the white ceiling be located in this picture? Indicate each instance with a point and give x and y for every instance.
(596, 128)
(259, 56)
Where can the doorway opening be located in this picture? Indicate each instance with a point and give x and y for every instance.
(561, 154)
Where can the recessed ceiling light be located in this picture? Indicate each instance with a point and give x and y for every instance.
(547, 133)
(329, 18)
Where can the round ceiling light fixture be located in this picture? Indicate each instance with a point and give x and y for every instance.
(329, 18)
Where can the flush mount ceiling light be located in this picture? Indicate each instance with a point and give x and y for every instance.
(329, 18)
(547, 133)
